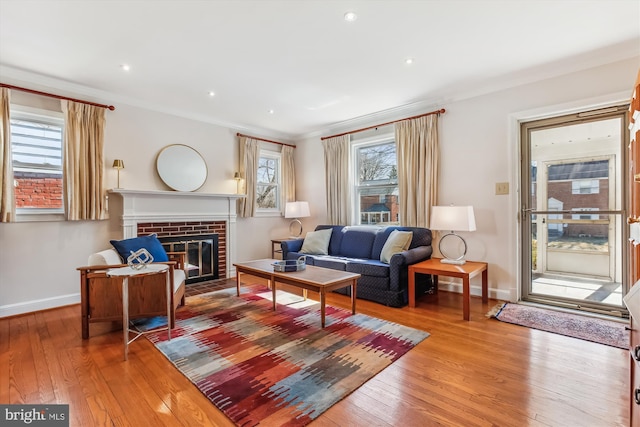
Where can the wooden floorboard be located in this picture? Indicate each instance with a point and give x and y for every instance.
(477, 373)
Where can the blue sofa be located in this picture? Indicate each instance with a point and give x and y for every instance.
(357, 249)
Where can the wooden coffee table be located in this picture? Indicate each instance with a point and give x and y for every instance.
(317, 279)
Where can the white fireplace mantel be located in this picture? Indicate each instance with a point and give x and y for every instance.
(139, 206)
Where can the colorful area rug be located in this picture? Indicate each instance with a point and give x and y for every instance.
(278, 368)
(573, 325)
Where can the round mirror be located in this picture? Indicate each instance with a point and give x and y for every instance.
(181, 167)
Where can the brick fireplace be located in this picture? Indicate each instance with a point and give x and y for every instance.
(183, 235)
(173, 213)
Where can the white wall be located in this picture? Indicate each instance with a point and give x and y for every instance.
(479, 148)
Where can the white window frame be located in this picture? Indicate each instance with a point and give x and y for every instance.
(56, 118)
(277, 211)
(388, 138)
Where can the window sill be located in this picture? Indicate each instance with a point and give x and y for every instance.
(22, 216)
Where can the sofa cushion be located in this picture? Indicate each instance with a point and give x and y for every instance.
(397, 242)
(316, 242)
(357, 242)
(369, 268)
(106, 257)
(178, 278)
(150, 243)
(336, 237)
(331, 262)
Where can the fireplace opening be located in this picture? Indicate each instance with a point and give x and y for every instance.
(201, 254)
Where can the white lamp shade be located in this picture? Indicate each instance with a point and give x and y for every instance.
(453, 218)
(296, 210)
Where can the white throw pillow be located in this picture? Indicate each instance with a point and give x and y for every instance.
(317, 242)
(397, 242)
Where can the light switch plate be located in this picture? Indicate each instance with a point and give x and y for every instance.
(502, 188)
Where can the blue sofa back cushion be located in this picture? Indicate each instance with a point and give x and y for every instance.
(150, 243)
(336, 237)
(357, 242)
(421, 237)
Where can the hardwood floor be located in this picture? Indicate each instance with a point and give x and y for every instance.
(477, 373)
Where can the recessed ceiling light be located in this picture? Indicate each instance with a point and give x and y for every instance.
(271, 112)
(212, 93)
(125, 67)
(350, 16)
(408, 61)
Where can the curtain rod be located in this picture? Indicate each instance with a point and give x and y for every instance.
(265, 140)
(438, 112)
(50, 95)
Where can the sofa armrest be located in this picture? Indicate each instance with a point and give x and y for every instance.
(401, 261)
(412, 256)
(91, 268)
(290, 246)
(179, 258)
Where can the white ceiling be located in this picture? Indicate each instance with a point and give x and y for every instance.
(301, 58)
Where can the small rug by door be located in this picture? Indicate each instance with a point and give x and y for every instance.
(593, 329)
(262, 367)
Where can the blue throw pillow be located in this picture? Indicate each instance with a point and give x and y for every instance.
(150, 243)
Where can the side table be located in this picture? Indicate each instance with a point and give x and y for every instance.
(125, 273)
(465, 271)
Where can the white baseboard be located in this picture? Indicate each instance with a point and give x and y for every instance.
(499, 294)
(39, 304)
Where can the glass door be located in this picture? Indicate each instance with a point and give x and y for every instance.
(572, 216)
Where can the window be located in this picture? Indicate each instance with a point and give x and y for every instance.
(585, 186)
(36, 144)
(268, 182)
(585, 216)
(376, 189)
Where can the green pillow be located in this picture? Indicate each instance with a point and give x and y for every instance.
(397, 242)
(316, 242)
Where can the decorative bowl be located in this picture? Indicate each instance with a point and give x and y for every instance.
(287, 266)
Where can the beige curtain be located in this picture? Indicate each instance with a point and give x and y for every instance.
(83, 161)
(418, 152)
(338, 184)
(7, 199)
(288, 193)
(249, 156)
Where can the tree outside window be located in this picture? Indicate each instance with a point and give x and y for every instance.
(377, 186)
(268, 181)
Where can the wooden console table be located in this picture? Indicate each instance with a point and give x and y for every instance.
(465, 271)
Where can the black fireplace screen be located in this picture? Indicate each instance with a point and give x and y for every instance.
(202, 254)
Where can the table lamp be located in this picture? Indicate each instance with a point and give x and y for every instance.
(452, 219)
(296, 210)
